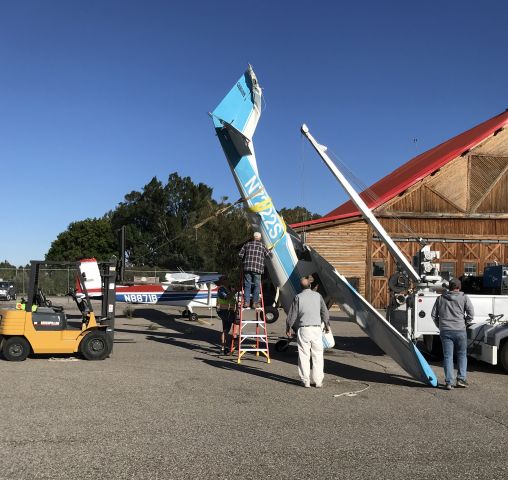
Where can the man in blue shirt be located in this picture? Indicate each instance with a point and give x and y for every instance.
(226, 310)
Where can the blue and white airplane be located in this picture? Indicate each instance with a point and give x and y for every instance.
(179, 289)
(235, 120)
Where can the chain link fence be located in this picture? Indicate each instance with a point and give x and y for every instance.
(58, 281)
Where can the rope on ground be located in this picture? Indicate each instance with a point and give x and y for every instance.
(63, 359)
(353, 393)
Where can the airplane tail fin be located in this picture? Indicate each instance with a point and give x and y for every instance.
(241, 107)
(92, 277)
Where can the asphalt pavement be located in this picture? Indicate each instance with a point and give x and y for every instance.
(166, 405)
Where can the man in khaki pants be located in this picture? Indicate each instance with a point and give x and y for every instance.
(305, 315)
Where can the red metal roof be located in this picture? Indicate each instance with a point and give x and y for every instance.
(416, 169)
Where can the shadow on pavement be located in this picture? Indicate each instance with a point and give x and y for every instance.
(233, 366)
(362, 345)
(189, 334)
(335, 367)
(187, 329)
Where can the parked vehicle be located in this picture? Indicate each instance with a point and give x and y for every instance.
(7, 290)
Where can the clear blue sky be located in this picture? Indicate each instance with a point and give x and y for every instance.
(97, 97)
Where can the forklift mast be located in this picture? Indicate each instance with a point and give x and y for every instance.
(108, 280)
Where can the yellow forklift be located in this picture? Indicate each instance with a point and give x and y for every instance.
(36, 326)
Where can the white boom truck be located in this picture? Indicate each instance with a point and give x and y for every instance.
(413, 294)
(410, 312)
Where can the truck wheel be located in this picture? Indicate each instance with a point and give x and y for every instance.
(95, 346)
(503, 356)
(15, 349)
(271, 314)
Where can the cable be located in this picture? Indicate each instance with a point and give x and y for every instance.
(352, 393)
(367, 191)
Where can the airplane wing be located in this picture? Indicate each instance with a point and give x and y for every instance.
(402, 350)
(335, 288)
(235, 120)
(209, 278)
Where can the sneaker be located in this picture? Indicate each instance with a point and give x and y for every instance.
(319, 385)
(448, 386)
(257, 305)
(462, 383)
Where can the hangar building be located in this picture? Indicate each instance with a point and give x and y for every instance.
(454, 196)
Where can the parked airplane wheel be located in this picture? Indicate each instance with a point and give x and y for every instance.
(185, 313)
(193, 317)
(95, 346)
(503, 356)
(272, 314)
(15, 349)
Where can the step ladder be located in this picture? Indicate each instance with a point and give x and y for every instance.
(249, 335)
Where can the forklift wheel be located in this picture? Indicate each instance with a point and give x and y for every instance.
(95, 346)
(15, 349)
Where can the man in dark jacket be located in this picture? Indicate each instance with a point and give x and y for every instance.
(451, 312)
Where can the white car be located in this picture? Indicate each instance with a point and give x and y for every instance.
(7, 291)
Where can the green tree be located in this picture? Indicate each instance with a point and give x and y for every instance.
(90, 238)
(297, 215)
(160, 222)
(173, 225)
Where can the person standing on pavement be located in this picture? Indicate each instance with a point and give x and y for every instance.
(305, 316)
(451, 313)
(253, 254)
(226, 310)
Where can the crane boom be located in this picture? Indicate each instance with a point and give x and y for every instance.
(362, 207)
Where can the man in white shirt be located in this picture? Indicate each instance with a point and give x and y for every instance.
(305, 315)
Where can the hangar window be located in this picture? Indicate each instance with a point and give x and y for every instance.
(447, 269)
(378, 268)
(470, 268)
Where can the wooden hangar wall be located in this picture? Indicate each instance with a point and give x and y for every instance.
(461, 210)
